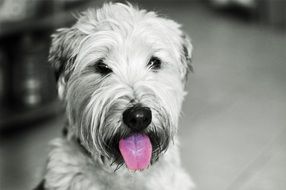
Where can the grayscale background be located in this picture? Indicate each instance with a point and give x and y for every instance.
(233, 126)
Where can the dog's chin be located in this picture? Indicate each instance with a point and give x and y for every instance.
(158, 141)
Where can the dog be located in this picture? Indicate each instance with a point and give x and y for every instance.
(121, 74)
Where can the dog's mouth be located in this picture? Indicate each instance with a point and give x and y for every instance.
(136, 151)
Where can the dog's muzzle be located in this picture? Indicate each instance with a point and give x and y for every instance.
(141, 140)
(136, 148)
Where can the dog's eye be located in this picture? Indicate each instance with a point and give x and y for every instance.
(154, 63)
(102, 68)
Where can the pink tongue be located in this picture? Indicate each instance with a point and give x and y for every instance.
(136, 151)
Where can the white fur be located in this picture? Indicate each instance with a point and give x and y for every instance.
(125, 38)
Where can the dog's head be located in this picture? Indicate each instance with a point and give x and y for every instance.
(121, 72)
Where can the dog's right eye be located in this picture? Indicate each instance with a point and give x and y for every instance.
(102, 68)
(154, 63)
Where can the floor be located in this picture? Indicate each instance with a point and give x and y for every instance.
(233, 126)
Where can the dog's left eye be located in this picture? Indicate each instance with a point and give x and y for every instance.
(102, 68)
(154, 63)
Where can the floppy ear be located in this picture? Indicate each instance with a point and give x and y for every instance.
(64, 48)
(186, 56)
(63, 51)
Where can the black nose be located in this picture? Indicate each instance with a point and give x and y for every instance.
(137, 118)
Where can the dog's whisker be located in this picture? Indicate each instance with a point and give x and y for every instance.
(118, 167)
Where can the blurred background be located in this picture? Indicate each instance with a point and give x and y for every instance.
(233, 126)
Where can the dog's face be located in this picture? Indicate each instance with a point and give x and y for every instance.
(121, 72)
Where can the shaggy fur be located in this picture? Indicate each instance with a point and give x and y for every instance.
(124, 38)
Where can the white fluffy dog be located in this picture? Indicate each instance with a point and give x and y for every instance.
(121, 73)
